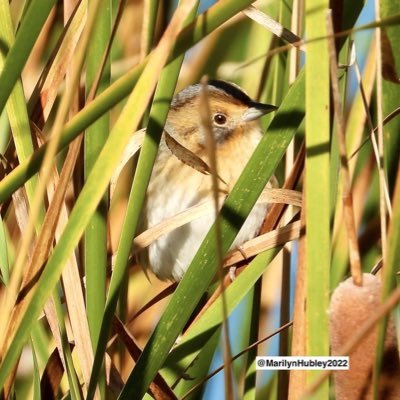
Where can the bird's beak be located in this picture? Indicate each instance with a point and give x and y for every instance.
(257, 110)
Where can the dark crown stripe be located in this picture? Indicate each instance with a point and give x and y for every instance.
(223, 87)
(231, 90)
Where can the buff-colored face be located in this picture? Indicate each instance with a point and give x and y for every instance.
(230, 116)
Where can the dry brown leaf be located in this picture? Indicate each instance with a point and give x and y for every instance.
(52, 375)
(187, 157)
(114, 381)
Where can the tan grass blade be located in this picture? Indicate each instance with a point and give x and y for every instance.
(51, 316)
(74, 297)
(168, 225)
(275, 27)
(72, 285)
(357, 115)
(71, 278)
(133, 146)
(22, 216)
(384, 197)
(348, 211)
(21, 209)
(297, 379)
(264, 242)
(382, 179)
(48, 86)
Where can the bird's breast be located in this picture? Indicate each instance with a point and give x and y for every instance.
(175, 187)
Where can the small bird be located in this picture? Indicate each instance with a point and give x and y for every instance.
(175, 186)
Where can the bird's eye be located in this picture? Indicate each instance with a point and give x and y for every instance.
(220, 119)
